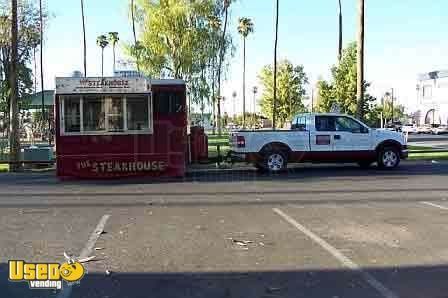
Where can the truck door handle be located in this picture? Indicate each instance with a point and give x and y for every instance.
(337, 137)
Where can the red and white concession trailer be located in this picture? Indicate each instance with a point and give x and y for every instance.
(120, 127)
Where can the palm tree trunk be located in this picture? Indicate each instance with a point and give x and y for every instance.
(360, 62)
(202, 95)
(14, 140)
(340, 32)
(135, 34)
(213, 96)
(42, 72)
(113, 51)
(84, 38)
(102, 62)
(244, 82)
(274, 111)
(221, 58)
(35, 69)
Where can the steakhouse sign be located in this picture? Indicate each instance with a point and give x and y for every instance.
(101, 85)
(121, 166)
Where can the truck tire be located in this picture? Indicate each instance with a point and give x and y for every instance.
(388, 158)
(275, 161)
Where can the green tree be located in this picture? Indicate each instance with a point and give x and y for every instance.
(245, 27)
(325, 98)
(113, 39)
(341, 92)
(373, 115)
(102, 42)
(182, 39)
(252, 120)
(291, 81)
(28, 38)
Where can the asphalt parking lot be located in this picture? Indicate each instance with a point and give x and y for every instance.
(317, 231)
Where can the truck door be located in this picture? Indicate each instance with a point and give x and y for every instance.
(353, 136)
(322, 138)
(298, 138)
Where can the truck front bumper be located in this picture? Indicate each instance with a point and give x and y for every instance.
(404, 154)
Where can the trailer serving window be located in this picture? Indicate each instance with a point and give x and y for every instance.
(106, 114)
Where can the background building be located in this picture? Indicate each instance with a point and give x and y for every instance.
(432, 90)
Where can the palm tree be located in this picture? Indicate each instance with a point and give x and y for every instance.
(360, 62)
(274, 108)
(135, 33)
(14, 141)
(42, 95)
(340, 31)
(226, 4)
(255, 91)
(34, 46)
(102, 42)
(84, 37)
(215, 25)
(113, 39)
(245, 27)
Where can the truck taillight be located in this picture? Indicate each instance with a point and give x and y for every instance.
(240, 142)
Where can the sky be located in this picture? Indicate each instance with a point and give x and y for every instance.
(403, 38)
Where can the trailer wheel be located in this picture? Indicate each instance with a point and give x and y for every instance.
(275, 161)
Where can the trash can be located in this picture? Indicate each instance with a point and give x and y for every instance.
(198, 144)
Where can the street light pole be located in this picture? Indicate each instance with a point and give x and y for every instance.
(392, 99)
(255, 90)
(312, 100)
(234, 94)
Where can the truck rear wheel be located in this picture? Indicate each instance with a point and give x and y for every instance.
(275, 161)
(388, 158)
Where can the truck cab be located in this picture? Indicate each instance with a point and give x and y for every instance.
(319, 138)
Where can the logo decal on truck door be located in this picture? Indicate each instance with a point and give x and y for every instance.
(323, 140)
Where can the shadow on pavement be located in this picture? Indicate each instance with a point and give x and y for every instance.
(406, 282)
(301, 173)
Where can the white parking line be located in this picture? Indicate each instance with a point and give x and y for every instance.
(435, 205)
(66, 292)
(88, 248)
(372, 281)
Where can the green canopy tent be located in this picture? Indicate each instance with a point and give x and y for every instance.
(34, 101)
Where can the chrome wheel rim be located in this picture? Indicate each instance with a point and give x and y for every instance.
(275, 162)
(390, 159)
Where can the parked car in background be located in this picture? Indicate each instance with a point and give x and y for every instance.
(232, 127)
(424, 129)
(395, 126)
(442, 129)
(409, 128)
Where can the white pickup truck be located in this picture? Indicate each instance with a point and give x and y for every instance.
(319, 138)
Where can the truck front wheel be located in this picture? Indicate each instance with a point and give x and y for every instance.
(388, 158)
(275, 161)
